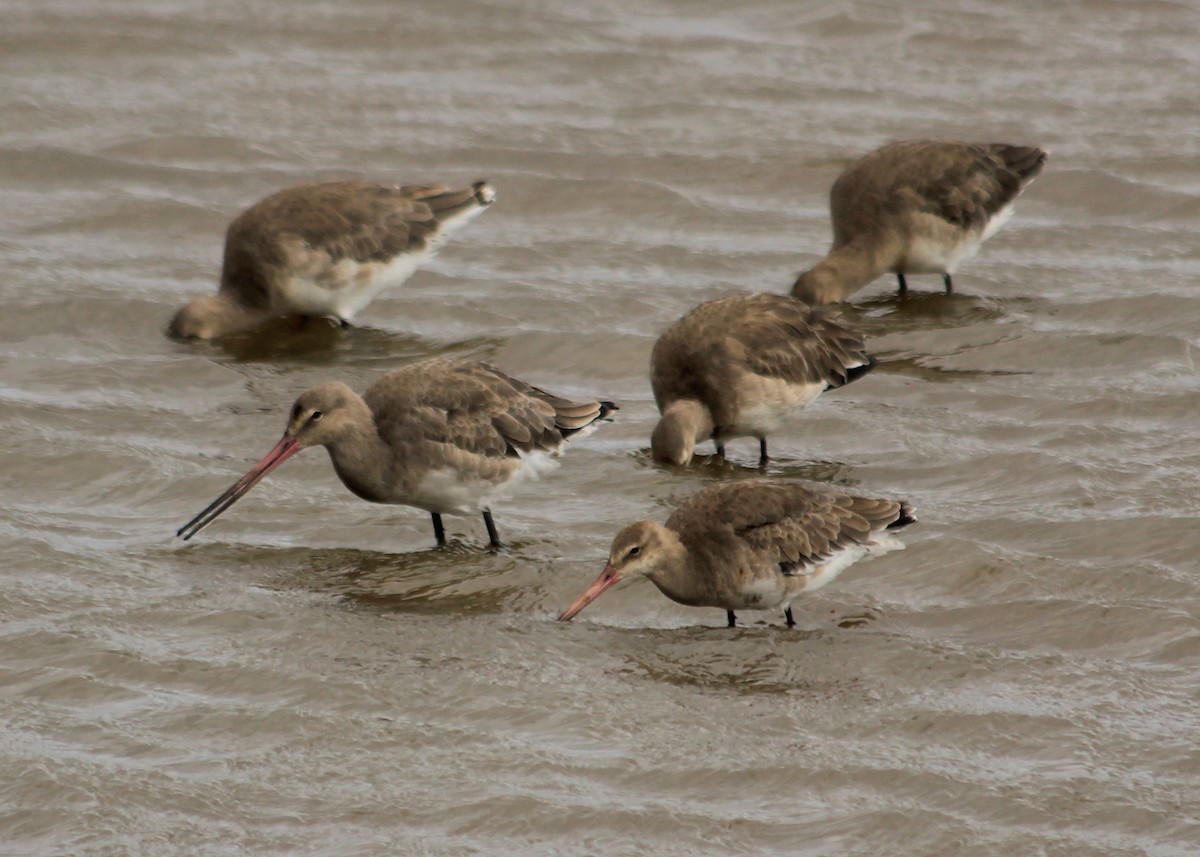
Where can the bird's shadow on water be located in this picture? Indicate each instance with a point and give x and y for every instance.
(741, 462)
(758, 658)
(314, 341)
(457, 579)
(922, 311)
(915, 313)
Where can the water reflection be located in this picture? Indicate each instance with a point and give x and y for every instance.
(457, 579)
(742, 463)
(312, 341)
(764, 658)
(891, 312)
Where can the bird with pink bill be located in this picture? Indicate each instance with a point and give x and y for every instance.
(447, 436)
(751, 545)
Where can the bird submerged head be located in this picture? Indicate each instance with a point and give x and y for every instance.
(212, 316)
(817, 287)
(683, 424)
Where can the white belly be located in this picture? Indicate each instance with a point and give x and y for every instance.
(942, 248)
(828, 571)
(769, 402)
(312, 285)
(449, 490)
(343, 289)
(931, 256)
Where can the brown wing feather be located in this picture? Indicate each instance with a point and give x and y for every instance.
(964, 184)
(703, 354)
(448, 203)
(471, 406)
(789, 523)
(797, 343)
(314, 226)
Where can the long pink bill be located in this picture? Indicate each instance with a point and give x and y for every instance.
(285, 449)
(607, 578)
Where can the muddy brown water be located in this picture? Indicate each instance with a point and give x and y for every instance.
(310, 677)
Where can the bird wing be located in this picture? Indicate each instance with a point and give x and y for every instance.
(358, 221)
(702, 355)
(310, 229)
(962, 183)
(472, 407)
(780, 337)
(791, 524)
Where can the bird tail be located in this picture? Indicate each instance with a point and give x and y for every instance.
(580, 418)
(1025, 161)
(853, 373)
(908, 515)
(449, 204)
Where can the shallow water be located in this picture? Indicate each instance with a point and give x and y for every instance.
(310, 677)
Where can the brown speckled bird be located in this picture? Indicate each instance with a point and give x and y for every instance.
(325, 249)
(442, 435)
(751, 544)
(738, 366)
(916, 207)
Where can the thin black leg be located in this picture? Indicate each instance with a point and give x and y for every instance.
(493, 536)
(787, 614)
(901, 281)
(720, 448)
(439, 532)
(762, 452)
(949, 283)
(732, 619)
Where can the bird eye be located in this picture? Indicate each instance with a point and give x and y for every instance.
(634, 551)
(316, 415)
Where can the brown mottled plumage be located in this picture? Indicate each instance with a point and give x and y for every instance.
(325, 249)
(739, 365)
(914, 207)
(441, 435)
(751, 545)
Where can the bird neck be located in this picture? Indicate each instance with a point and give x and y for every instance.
(673, 573)
(363, 462)
(843, 271)
(684, 423)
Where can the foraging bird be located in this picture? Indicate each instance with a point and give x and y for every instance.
(325, 249)
(916, 207)
(751, 544)
(442, 435)
(738, 366)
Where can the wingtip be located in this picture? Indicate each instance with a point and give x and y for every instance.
(853, 373)
(1043, 155)
(485, 194)
(1026, 161)
(908, 515)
